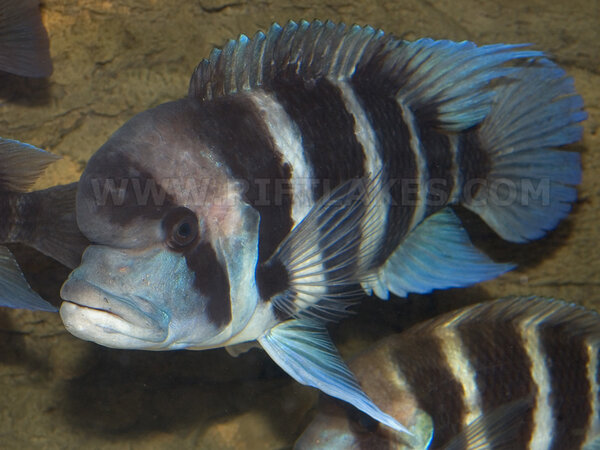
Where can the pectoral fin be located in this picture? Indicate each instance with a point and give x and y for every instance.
(304, 350)
(329, 253)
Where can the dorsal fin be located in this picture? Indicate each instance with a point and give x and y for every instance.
(577, 320)
(445, 82)
(310, 49)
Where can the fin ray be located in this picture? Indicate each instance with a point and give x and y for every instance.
(436, 255)
(21, 165)
(582, 322)
(329, 252)
(24, 44)
(15, 291)
(59, 236)
(452, 77)
(531, 185)
(304, 350)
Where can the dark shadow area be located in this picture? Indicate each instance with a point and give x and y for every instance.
(375, 319)
(44, 274)
(45, 277)
(14, 351)
(136, 392)
(11, 340)
(23, 90)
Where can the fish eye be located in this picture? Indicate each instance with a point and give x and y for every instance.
(181, 228)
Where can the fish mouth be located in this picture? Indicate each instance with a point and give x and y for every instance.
(94, 314)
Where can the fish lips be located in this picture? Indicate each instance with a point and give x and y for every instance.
(94, 314)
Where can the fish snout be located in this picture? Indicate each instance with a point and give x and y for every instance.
(92, 313)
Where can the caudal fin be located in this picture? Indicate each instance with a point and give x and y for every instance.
(20, 166)
(44, 220)
(24, 45)
(531, 184)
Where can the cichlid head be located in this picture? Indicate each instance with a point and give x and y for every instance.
(173, 243)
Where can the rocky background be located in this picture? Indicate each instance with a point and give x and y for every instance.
(115, 58)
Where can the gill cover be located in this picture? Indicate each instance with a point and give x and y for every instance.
(160, 298)
(167, 269)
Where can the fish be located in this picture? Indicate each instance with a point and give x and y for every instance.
(43, 219)
(24, 43)
(307, 166)
(515, 373)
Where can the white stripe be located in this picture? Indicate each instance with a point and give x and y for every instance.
(362, 128)
(593, 429)
(454, 195)
(459, 364)
(421, 164)
(373, 165)
(543, 422)
(288, 143)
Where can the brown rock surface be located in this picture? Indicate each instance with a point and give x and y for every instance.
(114, 58)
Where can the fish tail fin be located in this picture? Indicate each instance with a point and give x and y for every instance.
(44, 220)
(20, 166)
(24, 44)
(15, 291)
(54, 230)
(530, 184)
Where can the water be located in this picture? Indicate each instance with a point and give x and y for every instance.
(113, 59)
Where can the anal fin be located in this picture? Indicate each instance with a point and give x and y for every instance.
(438, 254)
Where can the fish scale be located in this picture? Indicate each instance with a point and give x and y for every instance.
(520, 364)
(392, 135)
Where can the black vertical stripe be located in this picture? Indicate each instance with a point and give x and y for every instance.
(327, 128)
(9, 206)
(567, 361)
(393, 135)
(212, 282)
(503, 369)
(473, 161)
(329, 141)
(439, 161)
(424, 367)
(234, 129)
